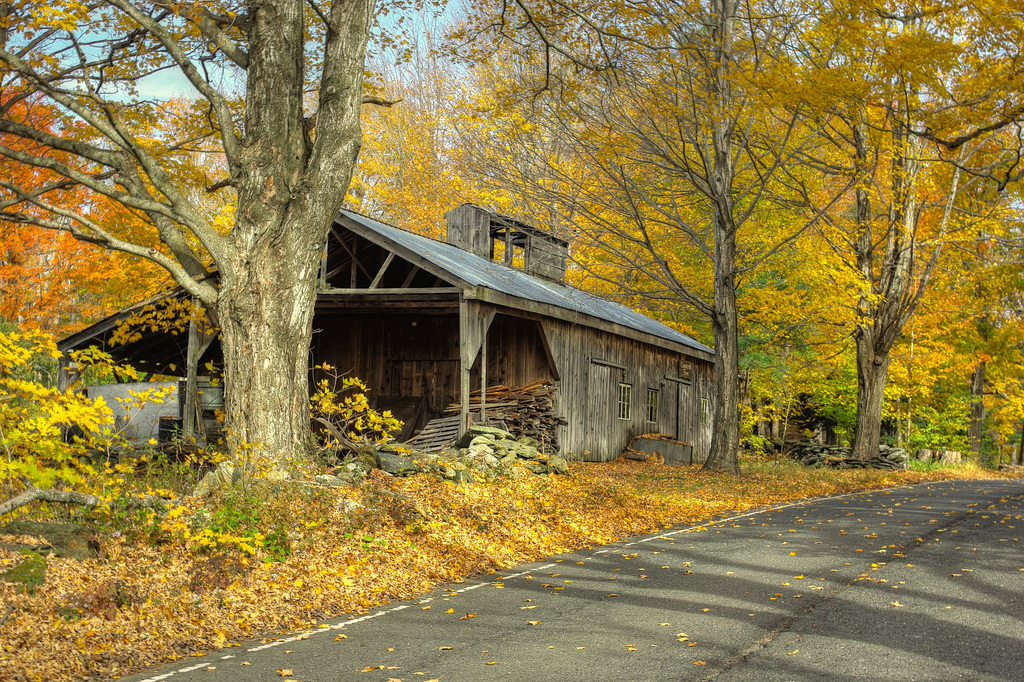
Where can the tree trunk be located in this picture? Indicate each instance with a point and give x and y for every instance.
(1020, 446)
(975, 430)
(872, 374)
(725, 438)
(266, 316)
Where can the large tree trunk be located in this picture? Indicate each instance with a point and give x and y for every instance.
(725, 439)
(872, 374)
(975, 429)
(291, 186)
(266, 316)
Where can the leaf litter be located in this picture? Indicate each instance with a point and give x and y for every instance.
(155, 598)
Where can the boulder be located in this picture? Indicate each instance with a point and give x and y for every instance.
(485, 471)
(462, 476)
(529, 442)
(951, 457)
(221, 478)
(397, 465)
(525, 451)
(559, 465)
(328, 480)
(474, 431)
(68, 540)
(537, 467)
(479, 450)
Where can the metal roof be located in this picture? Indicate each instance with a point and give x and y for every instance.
(473, 270)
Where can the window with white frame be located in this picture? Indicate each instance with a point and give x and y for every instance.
(652, 405)
(705, 411)
(625, 398)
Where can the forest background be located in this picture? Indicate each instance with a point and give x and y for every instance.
(901, 122)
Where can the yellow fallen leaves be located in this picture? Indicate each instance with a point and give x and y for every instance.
(338, 569)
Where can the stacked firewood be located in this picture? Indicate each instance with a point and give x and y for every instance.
(525, 411)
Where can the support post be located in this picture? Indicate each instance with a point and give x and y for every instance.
(198, 341)
(483, 376)
(63, 373)
(465, 363)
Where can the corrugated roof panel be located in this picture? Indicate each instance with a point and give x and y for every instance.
(477, 271)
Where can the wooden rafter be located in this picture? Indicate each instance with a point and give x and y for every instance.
(383, 269)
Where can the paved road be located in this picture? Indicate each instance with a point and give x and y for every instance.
(918, 583)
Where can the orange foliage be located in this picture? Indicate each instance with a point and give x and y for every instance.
(48, 279)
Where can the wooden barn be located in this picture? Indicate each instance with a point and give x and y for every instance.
(427, 324)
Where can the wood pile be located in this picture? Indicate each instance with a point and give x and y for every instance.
(525, 411)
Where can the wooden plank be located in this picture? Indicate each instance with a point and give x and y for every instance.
(412, 274)
(198, 342)
(465, 362)
(407, 254)
(383, 269)
(351, 252)
(437, 434)
(435, 292)
(546, 347)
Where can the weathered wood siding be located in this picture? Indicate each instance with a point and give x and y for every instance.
(588, 392)
(515, 353)
(403, 353)
(395, 353)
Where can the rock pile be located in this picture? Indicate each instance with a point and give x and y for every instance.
(837, 456)
(481, 454)
(948, 457)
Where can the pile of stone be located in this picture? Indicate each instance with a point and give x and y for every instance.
(527, 411)
(838, 457)
(947, 457)
(482, 453)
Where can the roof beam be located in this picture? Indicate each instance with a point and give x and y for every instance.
(521, 304)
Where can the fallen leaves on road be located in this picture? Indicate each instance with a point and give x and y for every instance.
(156, 597)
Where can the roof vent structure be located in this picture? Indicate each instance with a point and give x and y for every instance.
(479, 231)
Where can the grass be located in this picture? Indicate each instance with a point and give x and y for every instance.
(164, 592)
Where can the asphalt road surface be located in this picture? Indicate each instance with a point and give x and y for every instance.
(924, 582)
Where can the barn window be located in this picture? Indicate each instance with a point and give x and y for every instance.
(705, 411)
(625, 393)
(652, 404)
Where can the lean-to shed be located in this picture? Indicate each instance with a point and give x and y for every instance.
(424, 323)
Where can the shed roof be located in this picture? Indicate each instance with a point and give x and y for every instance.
(470, 269)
